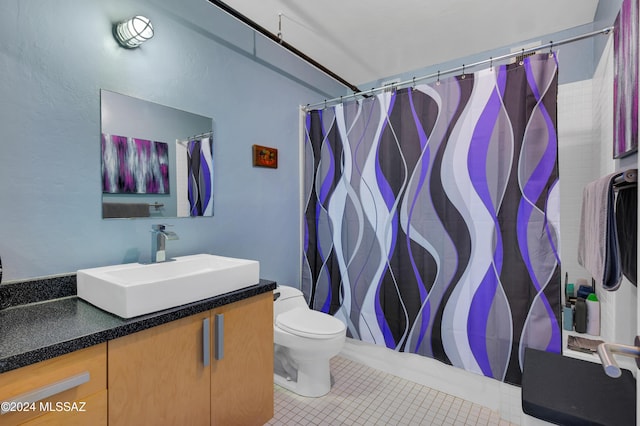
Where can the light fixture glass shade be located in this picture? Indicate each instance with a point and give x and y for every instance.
(133, 32)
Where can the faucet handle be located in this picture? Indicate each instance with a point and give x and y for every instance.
(159, 226)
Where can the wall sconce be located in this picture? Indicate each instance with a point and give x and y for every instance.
(133, 32)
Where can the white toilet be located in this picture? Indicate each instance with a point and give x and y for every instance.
(304, 342)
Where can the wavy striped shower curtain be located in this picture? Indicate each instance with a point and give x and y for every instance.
(432, 217)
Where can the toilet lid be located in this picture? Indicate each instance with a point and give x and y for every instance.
(307, 323)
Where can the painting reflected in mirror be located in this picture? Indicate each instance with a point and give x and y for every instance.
(157, 161)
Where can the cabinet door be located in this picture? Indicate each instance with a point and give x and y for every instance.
(242, 379)
(157, 376)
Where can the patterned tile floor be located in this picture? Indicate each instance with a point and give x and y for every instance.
(362, 395)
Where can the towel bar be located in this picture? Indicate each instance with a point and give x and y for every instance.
(627, 176)
(628, 179)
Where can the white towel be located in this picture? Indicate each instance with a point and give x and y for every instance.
(598, 248)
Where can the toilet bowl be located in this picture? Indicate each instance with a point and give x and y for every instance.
(304, 342)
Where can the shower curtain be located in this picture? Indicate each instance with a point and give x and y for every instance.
(432, 217)
(200, 176)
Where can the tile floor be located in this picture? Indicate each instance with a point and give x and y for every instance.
(362, 395)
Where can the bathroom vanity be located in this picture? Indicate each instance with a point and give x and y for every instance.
(208, 362)
(190, 379)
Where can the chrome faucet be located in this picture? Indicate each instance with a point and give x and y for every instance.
(159, 237)
(606, 351)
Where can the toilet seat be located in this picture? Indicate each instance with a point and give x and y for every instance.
(311, 324)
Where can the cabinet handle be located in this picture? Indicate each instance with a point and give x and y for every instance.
(219, 350)
(45, 391)
(206, 342)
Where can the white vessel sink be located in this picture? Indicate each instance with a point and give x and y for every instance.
(134, 289)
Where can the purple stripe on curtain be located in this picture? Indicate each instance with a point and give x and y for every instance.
(482, 300)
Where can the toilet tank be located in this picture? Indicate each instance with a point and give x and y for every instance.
(289, 298)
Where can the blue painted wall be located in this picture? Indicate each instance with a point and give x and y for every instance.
(54, 59)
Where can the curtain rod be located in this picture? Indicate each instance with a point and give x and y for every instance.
(200, 136)
(366, 93)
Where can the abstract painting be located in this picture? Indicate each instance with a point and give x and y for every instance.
(625, 80)
(134, 166)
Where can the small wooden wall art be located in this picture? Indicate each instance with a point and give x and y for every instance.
(263, 156)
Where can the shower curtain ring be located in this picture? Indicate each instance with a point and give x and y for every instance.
(551, 49)
(438, 81)
(463, 74)
(522, 58)
(325, 104)
(414, 84)
(491, 62)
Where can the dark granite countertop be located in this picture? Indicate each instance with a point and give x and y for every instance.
(41, 330)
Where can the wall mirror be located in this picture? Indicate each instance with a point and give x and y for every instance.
(156, 161)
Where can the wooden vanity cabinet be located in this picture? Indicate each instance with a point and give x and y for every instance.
(211, 368)
(70, 389)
